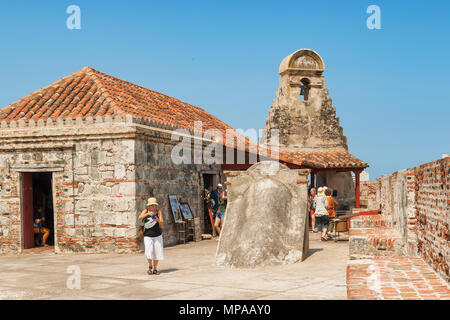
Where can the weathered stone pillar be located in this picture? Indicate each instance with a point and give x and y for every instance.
(266, 221)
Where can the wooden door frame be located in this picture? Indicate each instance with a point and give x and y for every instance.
(22, 213)
(37, 169)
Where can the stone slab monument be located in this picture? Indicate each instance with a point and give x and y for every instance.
(266, 222)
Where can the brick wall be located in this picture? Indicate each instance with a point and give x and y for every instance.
(432, 203)
(417, 202)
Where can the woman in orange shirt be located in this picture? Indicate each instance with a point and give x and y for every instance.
(332, 204)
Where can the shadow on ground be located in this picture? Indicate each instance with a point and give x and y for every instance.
(312, 251)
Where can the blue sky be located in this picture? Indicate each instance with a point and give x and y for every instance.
(390, 87)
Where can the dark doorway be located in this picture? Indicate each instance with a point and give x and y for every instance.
(37, 193)
(208, 183)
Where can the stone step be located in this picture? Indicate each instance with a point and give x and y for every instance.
(379, 241)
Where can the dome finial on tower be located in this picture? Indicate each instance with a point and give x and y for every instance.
(303, 60)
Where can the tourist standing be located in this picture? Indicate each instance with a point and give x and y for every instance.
(153, 241)
(321, 213)
(214, 195)
(332, 204)
(311, 208)
(222, 206)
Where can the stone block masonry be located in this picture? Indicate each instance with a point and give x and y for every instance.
(93, 174)
(158, 176)
(103, 169)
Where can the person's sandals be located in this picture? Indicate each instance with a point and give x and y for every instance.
(156, 272)
(150, 271)
(323, 239)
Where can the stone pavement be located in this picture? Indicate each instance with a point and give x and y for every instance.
(188, 272)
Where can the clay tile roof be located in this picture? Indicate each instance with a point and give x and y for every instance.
(322, 159)
(89, 92)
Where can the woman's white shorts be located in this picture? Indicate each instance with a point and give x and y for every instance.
(154, 248)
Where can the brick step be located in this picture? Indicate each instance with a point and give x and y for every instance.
(380, 241)
(394, 278)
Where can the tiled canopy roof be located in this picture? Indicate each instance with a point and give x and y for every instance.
(322, 159)
(89, 92)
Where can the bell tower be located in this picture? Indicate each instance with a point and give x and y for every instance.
(302, 111)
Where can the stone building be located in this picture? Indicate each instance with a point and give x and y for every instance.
(90, 149)
(309, 130)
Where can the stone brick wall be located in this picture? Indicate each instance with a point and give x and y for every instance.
(10, 225)
(93, 173)
(99, 214)
(158, 176)
(103, 171)
(417, 201)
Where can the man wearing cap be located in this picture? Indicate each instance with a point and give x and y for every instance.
(222, 205)
(153, 221)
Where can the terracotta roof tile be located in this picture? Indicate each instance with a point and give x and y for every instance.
(89, 92)
(322, 159)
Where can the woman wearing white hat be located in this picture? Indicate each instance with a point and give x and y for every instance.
(321, 213)
(153, 221)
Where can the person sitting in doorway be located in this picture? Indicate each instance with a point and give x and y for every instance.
(222, 206)
(38, 227)
(332, 204)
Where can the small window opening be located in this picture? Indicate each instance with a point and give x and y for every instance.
(305, 86)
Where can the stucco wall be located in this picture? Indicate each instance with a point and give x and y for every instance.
(343, 183)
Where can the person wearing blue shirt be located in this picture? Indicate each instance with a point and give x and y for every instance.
(215, 196)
